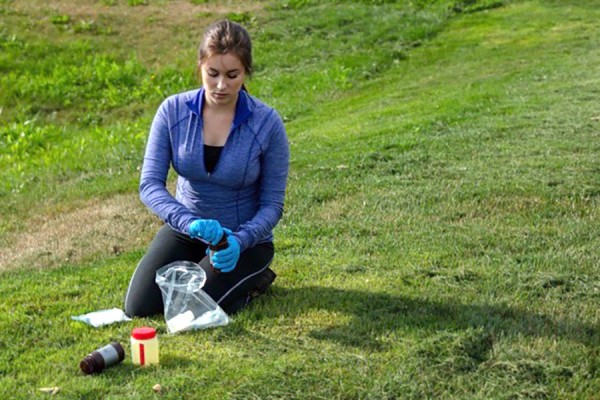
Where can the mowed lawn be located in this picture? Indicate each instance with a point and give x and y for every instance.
(441, 231)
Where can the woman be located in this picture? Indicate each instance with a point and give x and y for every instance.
(231, 154)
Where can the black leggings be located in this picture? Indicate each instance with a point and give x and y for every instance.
(229, 290)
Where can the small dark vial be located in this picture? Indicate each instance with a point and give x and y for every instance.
(104, 357)
(223, 244)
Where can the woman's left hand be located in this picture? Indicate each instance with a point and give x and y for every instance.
(208, 229)
(226, 260)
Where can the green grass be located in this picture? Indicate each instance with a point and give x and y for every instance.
(441, 230)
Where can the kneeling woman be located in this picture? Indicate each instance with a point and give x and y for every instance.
(231, 155)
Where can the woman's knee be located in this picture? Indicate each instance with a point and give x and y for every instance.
(142, 307)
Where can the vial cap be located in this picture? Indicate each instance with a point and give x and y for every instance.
(143, 333)
(87, 365)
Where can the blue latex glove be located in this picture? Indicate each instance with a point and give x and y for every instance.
(207, 229)
(226, 260)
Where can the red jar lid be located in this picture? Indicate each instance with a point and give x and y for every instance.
(143, 333)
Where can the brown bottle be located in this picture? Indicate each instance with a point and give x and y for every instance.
(223, 244)
(102, 358)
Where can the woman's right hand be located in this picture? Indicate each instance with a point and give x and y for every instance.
(208, 230)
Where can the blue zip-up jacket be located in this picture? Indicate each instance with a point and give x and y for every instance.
(246, 190)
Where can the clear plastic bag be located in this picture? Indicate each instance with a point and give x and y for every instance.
(187, 306)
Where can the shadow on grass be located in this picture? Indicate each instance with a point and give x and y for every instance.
(375, 314)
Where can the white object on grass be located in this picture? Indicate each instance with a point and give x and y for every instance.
(102, 317)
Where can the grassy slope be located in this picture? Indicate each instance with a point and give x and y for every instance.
(475, 164)
(440, 241)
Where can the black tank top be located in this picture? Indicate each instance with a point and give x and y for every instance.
(211, 157)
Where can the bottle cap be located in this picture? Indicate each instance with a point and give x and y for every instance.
(143, 333)
(88, 365)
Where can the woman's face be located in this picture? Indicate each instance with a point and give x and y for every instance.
(222, 76)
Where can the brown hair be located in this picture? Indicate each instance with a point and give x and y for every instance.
(224, 37)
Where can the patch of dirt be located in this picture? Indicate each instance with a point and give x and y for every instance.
(97, 229)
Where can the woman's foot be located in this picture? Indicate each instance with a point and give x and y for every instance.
(265, 280)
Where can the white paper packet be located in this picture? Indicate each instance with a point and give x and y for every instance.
(102, 317)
